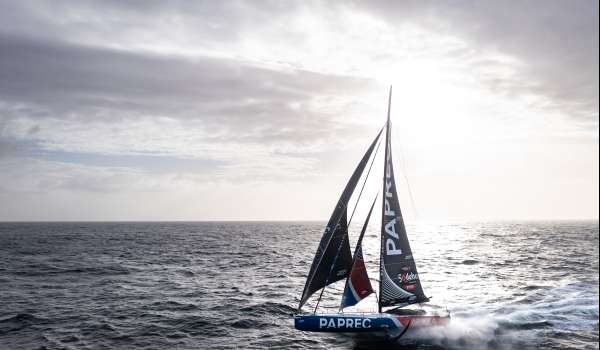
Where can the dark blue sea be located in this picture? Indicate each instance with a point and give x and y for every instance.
(214, 285)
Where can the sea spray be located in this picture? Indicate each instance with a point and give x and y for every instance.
(475, 332)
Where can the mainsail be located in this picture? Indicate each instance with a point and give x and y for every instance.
(333, 259)
(358, 286)
(398, 278)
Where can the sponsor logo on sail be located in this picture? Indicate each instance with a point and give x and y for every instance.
(409, 277)
(390, 215)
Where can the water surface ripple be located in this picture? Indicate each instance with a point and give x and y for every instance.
(235, 285)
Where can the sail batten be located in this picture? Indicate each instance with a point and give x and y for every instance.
(398, 277)
(333, 259)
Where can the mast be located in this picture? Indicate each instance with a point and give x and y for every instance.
(385, 170)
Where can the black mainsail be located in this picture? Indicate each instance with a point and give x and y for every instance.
(398, 278)
(333, 259)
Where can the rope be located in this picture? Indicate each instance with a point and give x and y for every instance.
(364, 182)
(404, 174)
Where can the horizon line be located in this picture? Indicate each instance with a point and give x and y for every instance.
(291, 220)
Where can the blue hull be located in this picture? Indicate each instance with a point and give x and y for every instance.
(359, 323)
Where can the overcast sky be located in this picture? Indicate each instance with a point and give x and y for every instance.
(191, 110)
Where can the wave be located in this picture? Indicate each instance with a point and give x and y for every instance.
(470, 262)
(249, 324)
(47, 269)
(23, 317)
(185, 272)
(173, 306)
(269, 308)
(200, 326)
(20, 321)
(525, 325)
(196, 286)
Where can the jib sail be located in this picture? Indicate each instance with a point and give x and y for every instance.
(399, 280)
(333, 258)
(358, 285)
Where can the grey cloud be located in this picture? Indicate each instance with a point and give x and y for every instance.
(8, 148)
(211, 25)
(235, 101)
(33, 176)
(47, 71)
(54, 79)
(70, 62)
(557, 42)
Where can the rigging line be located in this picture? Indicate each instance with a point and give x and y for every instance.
(359, 244)
(404, 174)
(319, 300)
(329, 274)
(334, 259)
(364, 182)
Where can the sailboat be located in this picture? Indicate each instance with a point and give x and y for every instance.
(399, 283)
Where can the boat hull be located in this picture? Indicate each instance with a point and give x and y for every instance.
(365, 323)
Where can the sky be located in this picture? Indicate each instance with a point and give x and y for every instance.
(260, 110)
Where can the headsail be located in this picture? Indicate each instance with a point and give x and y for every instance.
(358, 285)
(399, 280)
(334, 246)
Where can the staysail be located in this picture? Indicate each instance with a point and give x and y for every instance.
(333, 258)
(358, 286)
(398, 278)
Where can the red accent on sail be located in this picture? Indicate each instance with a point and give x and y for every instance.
(360, 279)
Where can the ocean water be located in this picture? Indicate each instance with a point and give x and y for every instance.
(235, 285)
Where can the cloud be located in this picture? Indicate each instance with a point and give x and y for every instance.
(66, 77)
(171, 97)
(202, 25)
(58, 93)
(553, 43)
(551, 47)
